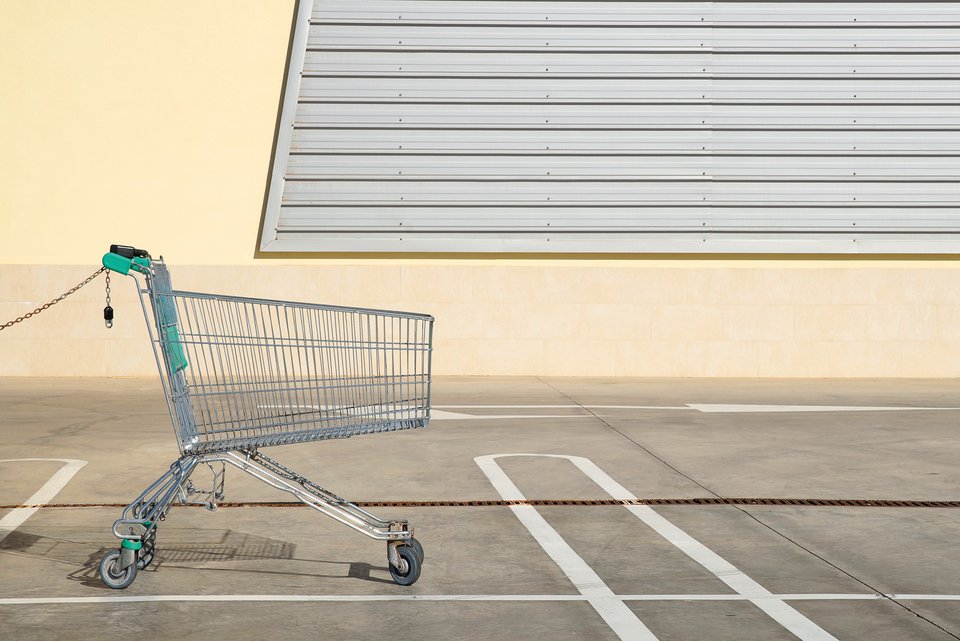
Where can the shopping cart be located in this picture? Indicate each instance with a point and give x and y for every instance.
(240, 374)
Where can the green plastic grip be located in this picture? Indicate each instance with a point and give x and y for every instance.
(167, 312)
(178, 360)
(123, 265)
(117, 263)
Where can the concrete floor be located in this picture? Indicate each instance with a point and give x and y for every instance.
(704, 573)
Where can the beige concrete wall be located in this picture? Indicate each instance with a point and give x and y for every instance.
(555, 318)
(152, 125)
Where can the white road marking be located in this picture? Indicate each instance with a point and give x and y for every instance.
(715, 408)
(501, 407)
(720, 408)
(788, 617)
(440, 415)
(637, 407)
(567, 406)
(435, 414)
(341, 598)
(613, 610)
(47, 491)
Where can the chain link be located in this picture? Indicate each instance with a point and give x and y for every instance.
(56, 300)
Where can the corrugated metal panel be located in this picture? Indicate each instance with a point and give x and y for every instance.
(495, 125)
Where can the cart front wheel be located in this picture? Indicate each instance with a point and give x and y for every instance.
(417, 547)
(409, 570)
(111, 574)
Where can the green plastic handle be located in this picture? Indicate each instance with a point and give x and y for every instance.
(117, 263)
(123, 265)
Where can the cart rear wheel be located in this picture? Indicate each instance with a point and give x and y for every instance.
(111, 574)
(417, 548)
(409, 571)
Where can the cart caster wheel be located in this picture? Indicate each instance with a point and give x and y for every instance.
(415, 544)
(111, 575)
(409, 570)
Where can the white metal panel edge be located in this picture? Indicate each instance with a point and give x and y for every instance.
(649, 243)
(291, 97)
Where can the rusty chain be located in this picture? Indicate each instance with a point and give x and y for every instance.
(56, 300)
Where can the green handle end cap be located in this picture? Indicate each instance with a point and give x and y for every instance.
(117, 263)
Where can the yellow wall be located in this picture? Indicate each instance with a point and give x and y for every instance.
(152, 124)
(137, 122)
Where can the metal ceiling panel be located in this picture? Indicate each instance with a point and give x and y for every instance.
(574, 126)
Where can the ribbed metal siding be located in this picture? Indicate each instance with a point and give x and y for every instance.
(446, 125)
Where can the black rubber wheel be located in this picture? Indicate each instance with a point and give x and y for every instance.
(145, 555)
(415, 544)
(409, 571)
(111, 575)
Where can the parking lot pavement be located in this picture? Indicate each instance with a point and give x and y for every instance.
(507, 570)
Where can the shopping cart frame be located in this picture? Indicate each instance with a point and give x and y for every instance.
(249, 430)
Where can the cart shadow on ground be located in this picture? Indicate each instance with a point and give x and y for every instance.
(220, 547)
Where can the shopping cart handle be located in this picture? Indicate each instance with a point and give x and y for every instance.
(129, 252)
(122, 259)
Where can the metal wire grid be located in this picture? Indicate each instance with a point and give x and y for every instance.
(245, 372)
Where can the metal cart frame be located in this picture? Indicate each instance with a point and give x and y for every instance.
(241, 373)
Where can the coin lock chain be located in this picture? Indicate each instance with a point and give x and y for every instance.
(59, 298)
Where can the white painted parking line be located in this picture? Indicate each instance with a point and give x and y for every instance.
(721, 408)
(501, 407)
(567, 406)
(441, 415)
(346, 598)
(47, 491)
(613, 610)
(777, 609)
(435, 414)
(713, 408)
(636, 407)
(336, 598)
(799, 625)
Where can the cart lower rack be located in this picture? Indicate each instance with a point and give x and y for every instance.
(240, 374)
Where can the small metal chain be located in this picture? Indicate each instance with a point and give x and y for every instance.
(108, 310)
(55, 300)
(287, 473)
